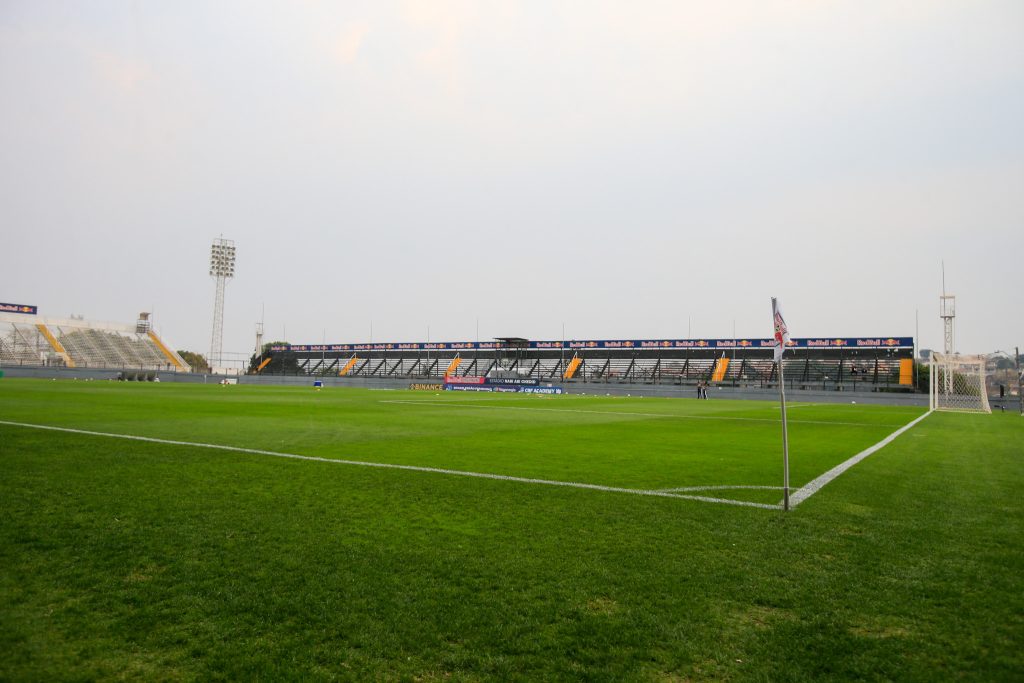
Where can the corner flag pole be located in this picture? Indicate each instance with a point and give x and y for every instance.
(781, 337)
(785, 440)
(1020, 377)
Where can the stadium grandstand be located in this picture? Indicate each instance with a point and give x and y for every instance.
(840, 363)
(27, 339)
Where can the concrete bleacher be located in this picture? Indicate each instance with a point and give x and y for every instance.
(34, 340)
(863, 364)
(96, 348)
(806, 371)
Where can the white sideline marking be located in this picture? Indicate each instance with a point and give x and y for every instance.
(812, 487)
(453, 404)
(410, 468)
(724, 487)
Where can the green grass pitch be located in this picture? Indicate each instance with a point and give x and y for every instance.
(146, 560)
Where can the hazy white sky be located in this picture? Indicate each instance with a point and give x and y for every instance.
(616, 167)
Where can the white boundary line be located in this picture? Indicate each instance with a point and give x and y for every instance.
(620, 413)
(812, 487)
(723, 487)
(409, 468)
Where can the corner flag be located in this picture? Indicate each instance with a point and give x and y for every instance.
(781, 337)
(781, 331)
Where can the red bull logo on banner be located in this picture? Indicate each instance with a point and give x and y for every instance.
(633, 344)
(24, 309)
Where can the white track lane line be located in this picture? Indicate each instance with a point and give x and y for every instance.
(409, 468)
(812, 487)
(453, 404)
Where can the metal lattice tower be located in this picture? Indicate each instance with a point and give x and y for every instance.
(222, 267)
(947, 311)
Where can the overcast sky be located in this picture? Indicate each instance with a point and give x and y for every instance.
(627, 169)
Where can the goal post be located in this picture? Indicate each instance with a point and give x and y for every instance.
(957, 383)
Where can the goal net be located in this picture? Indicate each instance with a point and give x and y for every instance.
(957, 383)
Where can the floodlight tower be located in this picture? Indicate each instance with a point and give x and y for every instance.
(947, 311)
(222, 267)
(259, 332)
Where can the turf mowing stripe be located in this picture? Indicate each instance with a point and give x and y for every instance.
(453, 404)
(410, 468)
(812, 487)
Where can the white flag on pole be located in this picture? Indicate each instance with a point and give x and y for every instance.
(781, 331)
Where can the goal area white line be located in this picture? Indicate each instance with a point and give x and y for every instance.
(798, 496)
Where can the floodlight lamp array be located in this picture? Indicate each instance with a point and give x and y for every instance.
(222, 259)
